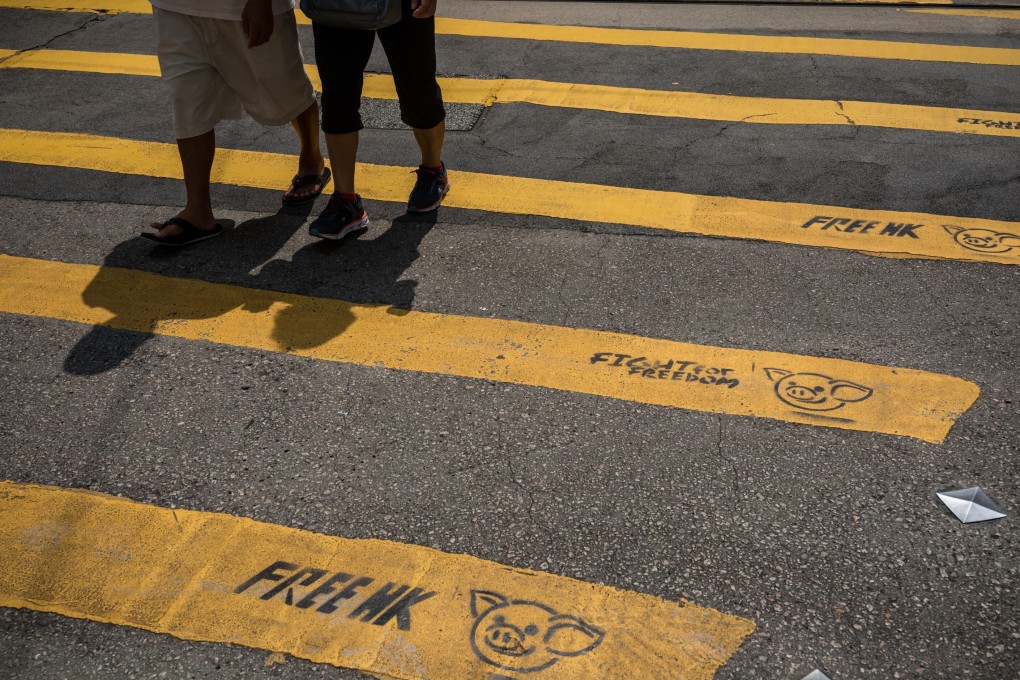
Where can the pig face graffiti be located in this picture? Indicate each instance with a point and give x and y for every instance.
(522, 636)
(983, 240)
(815, 392)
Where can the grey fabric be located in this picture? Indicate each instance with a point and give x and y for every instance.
(358, 14)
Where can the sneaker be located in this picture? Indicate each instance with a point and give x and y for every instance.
(429, 189)
(339, 218)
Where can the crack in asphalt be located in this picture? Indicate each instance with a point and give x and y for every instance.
(559, 296)
(843, 115)
(726, 127)
(45, 44)
(814, 64)
(529, 511)
(731, 461)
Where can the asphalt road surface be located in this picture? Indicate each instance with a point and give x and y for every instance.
(586, 364)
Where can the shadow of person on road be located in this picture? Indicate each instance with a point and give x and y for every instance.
(227, 259)
(359, 271)
(355, 270)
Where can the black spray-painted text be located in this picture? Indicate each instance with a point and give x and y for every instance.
(1002, 124)
(847, 225)
(377, 606)
(669, 369)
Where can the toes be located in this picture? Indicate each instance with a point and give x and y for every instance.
(163, 231)
(303, 192)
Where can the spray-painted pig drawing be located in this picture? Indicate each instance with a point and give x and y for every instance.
(983, 240)
(521, 636)
(815, 392)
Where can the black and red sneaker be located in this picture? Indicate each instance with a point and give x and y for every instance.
(429, 189)
(341, 216)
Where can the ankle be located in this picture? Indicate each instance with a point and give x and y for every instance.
(339, 197)
(311, 159)
(197, 214)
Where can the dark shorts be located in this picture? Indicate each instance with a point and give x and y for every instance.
(341, 56)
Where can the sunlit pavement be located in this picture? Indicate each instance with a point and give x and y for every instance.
(721, 296)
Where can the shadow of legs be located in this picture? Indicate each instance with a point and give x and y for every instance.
(102, 349)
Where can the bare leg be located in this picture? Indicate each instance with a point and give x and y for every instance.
(343, 153)
(310, 162)
(431, 144)
(197, 155)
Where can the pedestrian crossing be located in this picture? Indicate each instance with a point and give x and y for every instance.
(845, 227)
(850, 395)
(858, 396)
(624, 100)
(687, 40)
(827, 226)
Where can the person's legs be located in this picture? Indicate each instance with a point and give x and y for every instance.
(430, 142)
(271, 82)
(310, 162)
(200, 100)
(411, 50)
(433, 183)
(341, 56)
(343, 156)
(345, 213)
(197, 155)
(410, 47)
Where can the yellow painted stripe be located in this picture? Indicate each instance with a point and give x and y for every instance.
(758, 110)
(848, 395)
(863, 2)
(118, 63)
(694, 105)
(872, 231)
(980, 13)
(843, 47)
(104, 6)
(391, 609)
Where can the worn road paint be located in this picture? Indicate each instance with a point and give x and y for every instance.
(90, 62)
(979, 13)
(801, 389)
(673, 104)
(97, 6)
(926, 235)
(729, 42)
(391, 609)
(839, 47)
(855, 2)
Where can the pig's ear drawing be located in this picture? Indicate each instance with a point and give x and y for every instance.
(484, 601)
(1007, 239)
(570, 636)
(776, 374)
(844, 390)
(953, 229)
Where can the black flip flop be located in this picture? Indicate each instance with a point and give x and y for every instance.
(189, 233)
(300, 180)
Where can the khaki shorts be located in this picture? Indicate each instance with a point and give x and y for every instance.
(213, 75)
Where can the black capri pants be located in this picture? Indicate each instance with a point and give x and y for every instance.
(341, 56)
